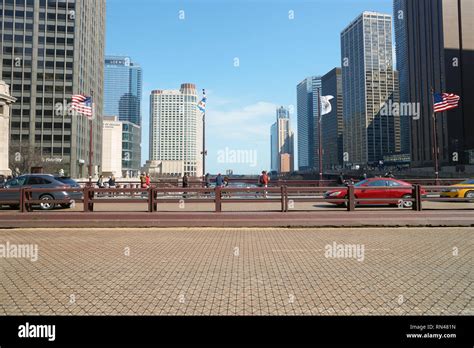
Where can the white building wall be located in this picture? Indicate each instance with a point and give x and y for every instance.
(112, 146)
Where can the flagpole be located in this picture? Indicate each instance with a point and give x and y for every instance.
(435, 141)
(204, 138)
(90, 138)
(320, 140)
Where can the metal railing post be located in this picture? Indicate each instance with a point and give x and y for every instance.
(218, 199)
(22, 200)
(283, 198)
(351, 198)
(151, 200)
(416, 194)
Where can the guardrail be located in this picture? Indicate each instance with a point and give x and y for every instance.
(286, 196)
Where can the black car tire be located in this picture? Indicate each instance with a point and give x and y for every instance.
(50, 205)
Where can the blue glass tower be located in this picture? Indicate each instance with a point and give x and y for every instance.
(122, 98)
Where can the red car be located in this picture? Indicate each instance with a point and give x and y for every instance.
(387, 188)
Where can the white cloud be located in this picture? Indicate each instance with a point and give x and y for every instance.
(251, 122)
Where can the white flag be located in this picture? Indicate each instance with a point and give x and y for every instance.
(326, 107)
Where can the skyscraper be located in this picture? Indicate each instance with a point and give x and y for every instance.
(332, 124)
(369, 82)
(52, 50)
(401, 40)
(307, 114)
(440, 56)
(122, 97)
(176, 131)
(282, 142)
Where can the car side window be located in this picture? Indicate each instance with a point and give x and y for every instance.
(378, 183)
(393, 183)
(35, 181)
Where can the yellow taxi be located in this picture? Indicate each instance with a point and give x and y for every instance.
(464, 189)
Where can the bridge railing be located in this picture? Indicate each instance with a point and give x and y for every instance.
(349, 196)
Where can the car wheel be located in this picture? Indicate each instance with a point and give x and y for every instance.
(46, 205)
(469, 194)
(407, 204)
(14, 206)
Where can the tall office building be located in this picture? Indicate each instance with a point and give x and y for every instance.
(401, 41)
(369, 82)
(176, 131)
(122, 97)
(112, 146)
(52, 50)
(274, 147)
(440, 55)
(282, 142)
(332, 124)
(307, 93)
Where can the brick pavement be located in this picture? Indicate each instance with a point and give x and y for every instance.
(232, 271)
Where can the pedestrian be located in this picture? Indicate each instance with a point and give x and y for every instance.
(142, 180)
(263, 181)
(147, 180)
(112, 184)
(340, 179)
(100, 181)
(219, 180)
(185, 183)
(207, 180)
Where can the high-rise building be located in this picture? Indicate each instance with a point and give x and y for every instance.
(401, 40)
(307, 93)
(369, 82)
(112, 146)
(176, 131)
(332, 124)
(52, 50)
(5, 102)
(440, 56)
(274, 147)
(282, 142)
(122, 97)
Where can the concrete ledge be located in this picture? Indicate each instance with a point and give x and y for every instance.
(239, 219)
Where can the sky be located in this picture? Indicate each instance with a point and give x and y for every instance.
(249, 55)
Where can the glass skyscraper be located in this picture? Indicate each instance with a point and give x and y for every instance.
(369, 82)
(401, 39)
(307, 93)
(440, 55)
(122, 98)
(332, 124)
(51, 50)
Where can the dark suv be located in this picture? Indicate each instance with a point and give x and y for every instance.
(35, 181)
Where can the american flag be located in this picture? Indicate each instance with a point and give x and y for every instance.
(445, 101)
(82, 104)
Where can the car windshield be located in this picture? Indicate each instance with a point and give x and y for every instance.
(468, 182)
(16, 182)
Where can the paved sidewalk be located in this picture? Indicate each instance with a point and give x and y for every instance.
(207, 271)
(375, 218)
